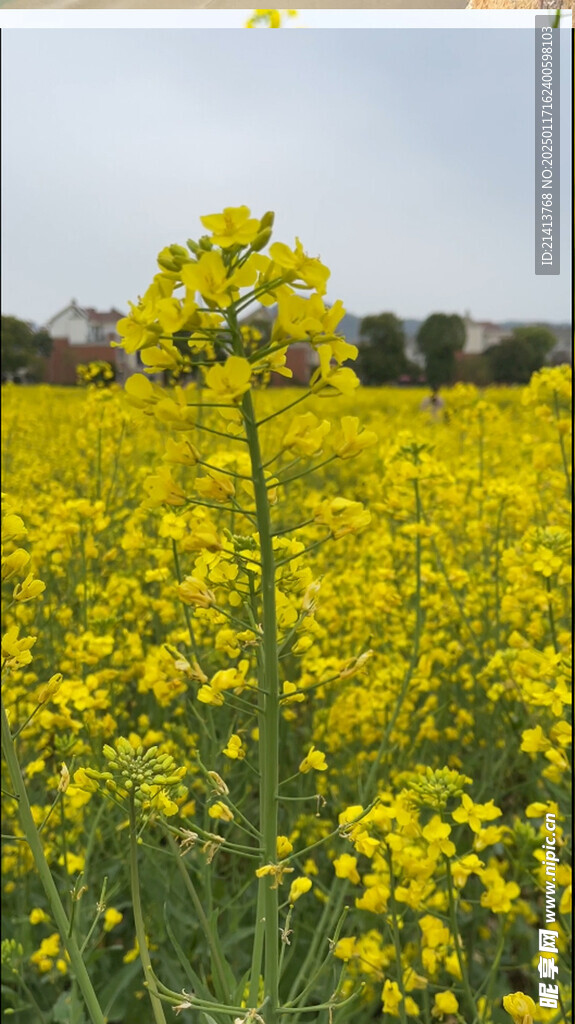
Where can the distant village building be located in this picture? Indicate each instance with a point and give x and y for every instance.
(81, 334)
(481, 335)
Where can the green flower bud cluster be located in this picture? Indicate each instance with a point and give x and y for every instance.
(241, 543)
(414, 450)
(436, 787)
(133, 770)
(555, 538)
(202, 245)
(525, 838)
(173, 257)
(12, 953)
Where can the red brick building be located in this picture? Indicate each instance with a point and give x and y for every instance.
(64, 358)
(82, 335)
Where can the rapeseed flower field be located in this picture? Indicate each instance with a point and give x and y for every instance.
(286, 677)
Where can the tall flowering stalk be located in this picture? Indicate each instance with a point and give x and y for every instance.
(196, 304)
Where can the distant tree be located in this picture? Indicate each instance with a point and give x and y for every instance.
(23, 350)
(439, 338)
(510, 362)
(540, 339)
(381, 356)
(516, 358)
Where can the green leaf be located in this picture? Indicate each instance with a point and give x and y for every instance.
(63, 1011)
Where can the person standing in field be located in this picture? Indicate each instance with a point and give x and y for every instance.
(434, 406)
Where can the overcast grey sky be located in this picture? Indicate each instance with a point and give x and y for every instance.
(402, 157)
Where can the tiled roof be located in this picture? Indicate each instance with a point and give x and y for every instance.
(102, 318)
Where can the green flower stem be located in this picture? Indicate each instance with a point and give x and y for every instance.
(187, 615)
(45, 875)
(100, 907)
(286, 931)
(551, 616)
(195, 1002)
(219, 433)
(288, 465)
(426, 995)
(244, 706)
(150, 980)
(226, 472)
(313, 686)
(269, 705)
(290, 529)
(30, 995)
(236, 508)
(64, 834)
(219, 506)
(455, 596)
(177, 833)
(233, 618)
(218, 961)
(471, 1006)
(330, 913)
(310, 547)
(55, 803)
(247, 827)
(328, 956)
(246, 300)
(331, 1005)
(396, 940)
(290, 778)
(339, 831)
(258, 949)
(304, 472)
(489, 981)
(27, 721)
(285, 408)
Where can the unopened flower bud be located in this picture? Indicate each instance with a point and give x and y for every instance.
(267, 220)
(168, 264)
(261, 240)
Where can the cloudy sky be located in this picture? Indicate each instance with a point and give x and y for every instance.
(403, 158)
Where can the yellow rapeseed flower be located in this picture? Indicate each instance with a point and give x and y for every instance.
(520, 1007)
(314, 760)
(298, 887)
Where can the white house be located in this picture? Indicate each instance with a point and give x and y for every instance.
(83, 326)
(480, 335)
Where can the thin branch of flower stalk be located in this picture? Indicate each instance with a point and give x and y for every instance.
(149, 980)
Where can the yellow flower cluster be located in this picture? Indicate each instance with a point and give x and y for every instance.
(99, 373)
